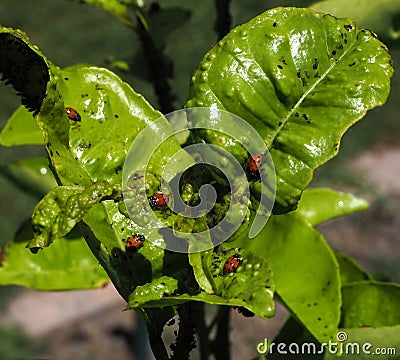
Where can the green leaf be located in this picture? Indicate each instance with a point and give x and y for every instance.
(350, 271)
(301, 79)
(367, 343)
(306, 272)
(229, 289)
(31, 175)
(21, 129)
(62, 208)
(381, 16)
(200, 262)
(370, 304)
(67, 265)
(104, 229)
(319, 205)
(120, 9)
(112, 115)
(87, 158)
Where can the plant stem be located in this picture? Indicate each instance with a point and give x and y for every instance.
(224, 18)
(154, 331)
(161, 67)
(185, 342)
(202, 332)
(220, 345)
(156, 343)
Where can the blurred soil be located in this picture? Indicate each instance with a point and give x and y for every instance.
(91, 324)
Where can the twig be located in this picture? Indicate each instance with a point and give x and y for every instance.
(185, 342)
(224, 18)
(154, 332)
(221, 345)
(161, 67)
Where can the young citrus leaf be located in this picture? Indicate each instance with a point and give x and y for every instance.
(112, 115)
(200, 262)
(350, 271)
(300, 78)
(31, 175)
(155, 294)
(305, 269)
(378, 15)
(87, 151)
(235, 286)
(106, 231)
(63, 207)
(21, 129)
(370, 304)
(230, 288)
(67, 265)
(319, 205)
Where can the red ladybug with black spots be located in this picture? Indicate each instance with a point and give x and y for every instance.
(135, 242)
(255, 163)
(158, 200)
(73, 114)
(232, 263)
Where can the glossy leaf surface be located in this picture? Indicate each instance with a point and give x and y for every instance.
(301, 79)
(62, 208)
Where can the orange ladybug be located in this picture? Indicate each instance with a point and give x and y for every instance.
(232, 263)
(135, 242)
(255, 162)
(158, 200)
(73, 114)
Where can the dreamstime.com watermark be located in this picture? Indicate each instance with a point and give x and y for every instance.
(339, 347)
